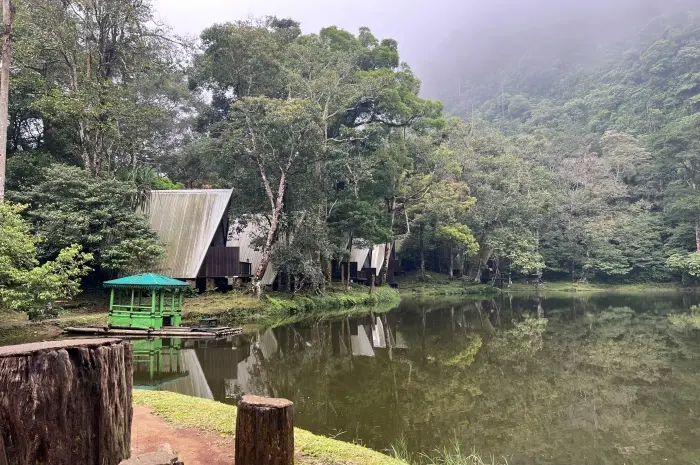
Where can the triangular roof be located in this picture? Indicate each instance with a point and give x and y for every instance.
(146, 280)
(186, 221)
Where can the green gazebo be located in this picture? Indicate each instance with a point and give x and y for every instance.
(145, 301)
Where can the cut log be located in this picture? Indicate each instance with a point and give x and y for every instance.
(264, 431)
(66, 402)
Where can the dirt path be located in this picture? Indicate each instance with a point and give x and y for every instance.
(193, 447)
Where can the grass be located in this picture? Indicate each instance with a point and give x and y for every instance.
(436, 284)
(447, 456)
(569, 286)
(215, 417)
(273, 308)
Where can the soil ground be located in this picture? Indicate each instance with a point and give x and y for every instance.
(193, 447)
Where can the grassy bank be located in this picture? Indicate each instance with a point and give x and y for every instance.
(576, 287)
(233, 308)
(214, 417)
(273, 308)
(435, 284)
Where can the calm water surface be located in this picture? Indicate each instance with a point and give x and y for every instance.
(606, 379)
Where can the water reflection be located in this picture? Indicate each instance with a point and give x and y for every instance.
(540, 380)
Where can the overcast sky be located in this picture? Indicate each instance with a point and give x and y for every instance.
(415, 24)
(436, 37)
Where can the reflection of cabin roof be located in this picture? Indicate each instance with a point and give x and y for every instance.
(147, 281)
(186, 221)
(158, 380)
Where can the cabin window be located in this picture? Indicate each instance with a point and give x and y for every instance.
(245, 269)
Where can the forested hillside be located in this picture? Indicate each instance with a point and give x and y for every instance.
(582, 162)
(617, 133)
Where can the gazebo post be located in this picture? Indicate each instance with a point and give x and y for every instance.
(153, 309)
(111, 301)
(132, 300)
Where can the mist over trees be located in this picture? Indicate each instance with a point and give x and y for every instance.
(605, 98)
(567, 146)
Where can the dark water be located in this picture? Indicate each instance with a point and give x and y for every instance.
(607, 379)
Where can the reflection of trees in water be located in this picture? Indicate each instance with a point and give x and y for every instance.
(587, 384)
(601, 391)
(402, 388)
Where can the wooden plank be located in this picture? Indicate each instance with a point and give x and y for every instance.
(175, 332)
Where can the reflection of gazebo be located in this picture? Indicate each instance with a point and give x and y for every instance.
(156, 364)
(162, 364)
(146, 301)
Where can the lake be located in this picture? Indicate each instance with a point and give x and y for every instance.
(601, 379)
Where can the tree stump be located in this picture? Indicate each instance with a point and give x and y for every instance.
(264, 431)
(66, 402)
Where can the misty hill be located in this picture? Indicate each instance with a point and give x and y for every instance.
(598, 65)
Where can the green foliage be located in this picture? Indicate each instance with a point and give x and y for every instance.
(163, 183)
(576, 165)
(460, 237)
(72, 207)
(687, 263)
(521, 343)
(90, 96)
(594, 175)
(466, 357)
(689, 321)
(307, 305)
(26, 284)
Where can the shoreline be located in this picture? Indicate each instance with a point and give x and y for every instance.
(276, 309)
(218, 420)
(232, 308)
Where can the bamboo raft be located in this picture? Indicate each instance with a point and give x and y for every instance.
(179, 332)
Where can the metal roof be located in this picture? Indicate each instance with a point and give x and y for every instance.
(186, 221)
(146, 280)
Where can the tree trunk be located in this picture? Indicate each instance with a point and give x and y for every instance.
(387, 250)
(66, 402)
(264, 432)
(269, 243)
(327, 269)
(5, 88)
(372, 281)
(349, 283)
(342, 275)
(697, 235)
(385, 265)
(421, 248)
(277, 206)
(452, 263)
(484, 256)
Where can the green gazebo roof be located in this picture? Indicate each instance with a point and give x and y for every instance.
(146, 281)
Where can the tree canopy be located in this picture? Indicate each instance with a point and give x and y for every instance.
(584, 166)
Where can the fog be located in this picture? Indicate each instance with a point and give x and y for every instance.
(450, 42)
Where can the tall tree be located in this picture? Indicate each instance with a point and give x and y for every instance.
(5, 88)
(273, 138)
(110, 87)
